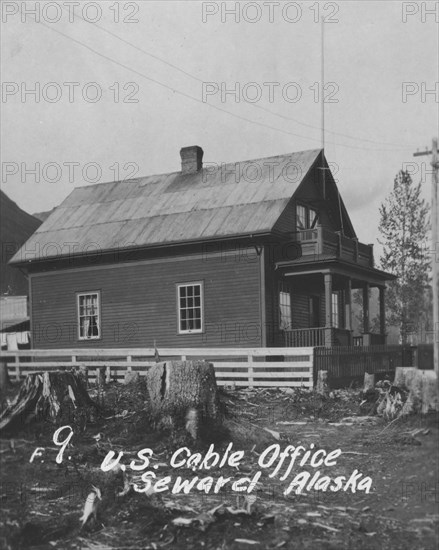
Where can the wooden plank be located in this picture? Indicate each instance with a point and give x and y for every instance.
(60, 365)
(164, 352)
(268, 384)
(293, 367)
(285, 376)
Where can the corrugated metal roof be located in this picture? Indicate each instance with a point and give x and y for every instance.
(233, 199)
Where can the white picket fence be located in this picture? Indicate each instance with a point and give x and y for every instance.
(263, 367)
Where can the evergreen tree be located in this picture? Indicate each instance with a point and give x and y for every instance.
(358, 316)
(404, 226)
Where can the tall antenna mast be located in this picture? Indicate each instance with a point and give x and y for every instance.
(322, 57)
(322, 100)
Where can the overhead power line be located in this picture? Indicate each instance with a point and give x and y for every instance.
(274, 113)
(192, 98)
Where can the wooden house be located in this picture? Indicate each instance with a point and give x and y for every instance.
(246, 254)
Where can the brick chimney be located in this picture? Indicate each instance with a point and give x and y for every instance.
(191, 159)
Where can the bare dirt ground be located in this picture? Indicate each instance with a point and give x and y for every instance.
(41, 502)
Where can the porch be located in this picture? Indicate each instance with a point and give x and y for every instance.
(321, 282)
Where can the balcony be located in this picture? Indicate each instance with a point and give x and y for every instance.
(320, 243)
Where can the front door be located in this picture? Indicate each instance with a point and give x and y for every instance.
(314, 311)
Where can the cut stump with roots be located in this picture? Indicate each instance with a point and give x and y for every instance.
(50, 396)
(184, 394)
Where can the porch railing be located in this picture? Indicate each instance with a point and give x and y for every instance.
(317, 336)
(304, 337)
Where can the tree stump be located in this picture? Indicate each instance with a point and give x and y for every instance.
(184, 394)
(369, 382)
(82, 372)
(51, 396)
(5, 381)
(423, 394)
(131, 378)
(322, 382)
(404, 376)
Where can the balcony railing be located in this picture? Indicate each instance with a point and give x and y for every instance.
(318, 241)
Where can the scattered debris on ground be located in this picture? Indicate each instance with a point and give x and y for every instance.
(42, 502)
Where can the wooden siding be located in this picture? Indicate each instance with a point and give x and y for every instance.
(139, 305)
(272, 279)
(310, 193)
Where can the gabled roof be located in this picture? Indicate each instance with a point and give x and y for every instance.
(231, 200)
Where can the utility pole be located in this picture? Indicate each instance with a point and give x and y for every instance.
(434, 248)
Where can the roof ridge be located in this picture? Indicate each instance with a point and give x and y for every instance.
(130, 180)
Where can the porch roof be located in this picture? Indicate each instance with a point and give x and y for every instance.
(304, 266)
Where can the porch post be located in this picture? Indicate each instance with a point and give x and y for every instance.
(328, 310)
(382, 311)
(366, 308)
(348, 305)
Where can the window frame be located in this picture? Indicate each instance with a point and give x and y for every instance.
(287, 292)
(315, 220)
(298, 206)
(80, 295)
(188, 284)
(307, 216)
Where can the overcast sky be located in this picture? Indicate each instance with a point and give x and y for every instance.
(148, 61)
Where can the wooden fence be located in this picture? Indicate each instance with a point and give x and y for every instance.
(346, 364)
(264, 367)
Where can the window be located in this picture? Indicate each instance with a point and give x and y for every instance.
(284, 310)
(89, 322)
(301, 217)
(306, 218)
(335, 310)
(190, 308)
(312, 218)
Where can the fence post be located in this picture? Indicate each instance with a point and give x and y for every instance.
(17, 368)
(129, 359)
(250, 370)
(312, 369)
